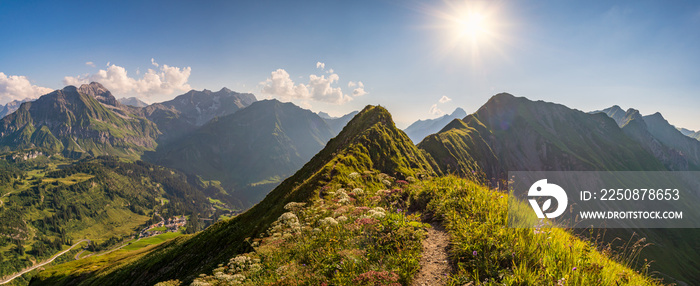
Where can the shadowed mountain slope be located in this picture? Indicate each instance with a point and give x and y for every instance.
(250, 151)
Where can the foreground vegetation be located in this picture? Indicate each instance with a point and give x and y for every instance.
(373, 237)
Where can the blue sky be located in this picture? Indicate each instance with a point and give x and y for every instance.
(407, 55)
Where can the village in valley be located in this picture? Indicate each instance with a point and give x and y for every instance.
(172, 224)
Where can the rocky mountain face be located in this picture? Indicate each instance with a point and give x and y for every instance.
(132, 101)
(514, 133)
(422, 128)
(238, 149)
(72, 121)
(186, 112)
(100, 93)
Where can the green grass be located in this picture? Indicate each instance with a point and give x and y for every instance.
(486, 251)
(156, 239)
(86, 265)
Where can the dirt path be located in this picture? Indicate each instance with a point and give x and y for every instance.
(434, 265)
(35, 266)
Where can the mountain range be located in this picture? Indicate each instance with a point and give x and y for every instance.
(193, 109)
(422, 128)
(199, 132)
(506, 133)
(252, 146)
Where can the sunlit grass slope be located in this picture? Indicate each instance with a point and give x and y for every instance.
(372, 236)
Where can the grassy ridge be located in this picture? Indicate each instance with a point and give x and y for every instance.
(366, 236)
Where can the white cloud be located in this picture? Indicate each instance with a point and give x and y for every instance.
(330, 71)
(90, 64)
(319, 88)
(445, 99)
(166, 80)
(360, 90)
(15, 87)
(281, 85)
(320, 65)
(434, 110)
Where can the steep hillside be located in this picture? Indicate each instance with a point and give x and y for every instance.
(422, 128)
(250, 151)
(514, 133)
(76, 124)
(186, 112)
(370, 142)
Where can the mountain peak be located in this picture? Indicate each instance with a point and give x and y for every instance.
(97, 91)
(458, 113)
(656, 115)
(226, 90)
(69, 88)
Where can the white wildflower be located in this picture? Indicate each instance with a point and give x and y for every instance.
(328, 221)
(377, 212)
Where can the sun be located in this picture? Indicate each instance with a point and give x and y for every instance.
(471, 25)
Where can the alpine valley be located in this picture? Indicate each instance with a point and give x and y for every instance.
(219, 188)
